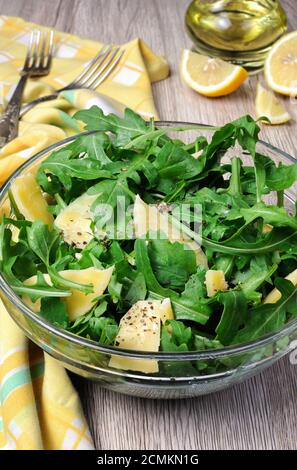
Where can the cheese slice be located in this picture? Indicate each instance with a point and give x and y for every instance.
(77, 303)
(140, 330)
(75, 221)
(166, 312)
(275, 294)
(28, 198)
(215, 281)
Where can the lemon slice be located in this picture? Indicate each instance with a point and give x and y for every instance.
(28, 199)
(269, 106)
(210, 76)
(281, 65)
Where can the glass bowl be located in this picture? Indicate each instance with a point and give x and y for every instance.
(180, 375)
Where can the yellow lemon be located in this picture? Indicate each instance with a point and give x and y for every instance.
(210, 76)
(281, 65)
(269, 106)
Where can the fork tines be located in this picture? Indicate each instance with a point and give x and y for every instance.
(39, 52)
(98, 68)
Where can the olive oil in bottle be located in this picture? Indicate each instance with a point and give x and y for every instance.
(238, 31)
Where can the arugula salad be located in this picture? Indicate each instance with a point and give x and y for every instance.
(149, 281)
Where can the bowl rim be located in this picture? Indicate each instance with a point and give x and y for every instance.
(160, 355)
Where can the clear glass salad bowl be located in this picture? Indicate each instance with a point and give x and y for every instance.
(193, 375)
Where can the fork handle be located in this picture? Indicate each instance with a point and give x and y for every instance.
(9, 120)
(26, 107)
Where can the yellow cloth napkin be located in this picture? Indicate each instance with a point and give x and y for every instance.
(39, 408)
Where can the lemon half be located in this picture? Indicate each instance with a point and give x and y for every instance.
(210, 76)
(281, 65)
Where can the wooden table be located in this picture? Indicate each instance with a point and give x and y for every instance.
(260, 413)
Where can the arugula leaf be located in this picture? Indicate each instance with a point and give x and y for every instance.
(225, 263)
(93, 146)
(195, 286)
(276, 216)
(175, 336)
(221, 212)
(203, 342)
(260, 177)
(109, 191)
(14, 207)
(281, 177)
(277, 239)
(247, 132)
(61, 281)
(115, 289)
(38, 290)
(62, 165)
(89, 256)
(54, 311)
(185, 306)
(125, 129)
(244, 130)
(103, 329)
(235, 184)
(137, 290)
(260, 271)
(171, 262)
(131, 166)
(131, 131)
(269, 317)
(144, 266)
(8, 252)
(41, 240)
(189, 309)
(238, 244)
(233, 316)
(173, 161)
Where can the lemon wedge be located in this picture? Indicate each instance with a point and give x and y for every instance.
(210, 76)
(281, 65)
(269, 106)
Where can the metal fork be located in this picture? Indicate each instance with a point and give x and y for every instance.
(37, 64)
(91, 77)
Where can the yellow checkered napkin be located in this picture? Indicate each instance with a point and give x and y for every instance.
(39, 408)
